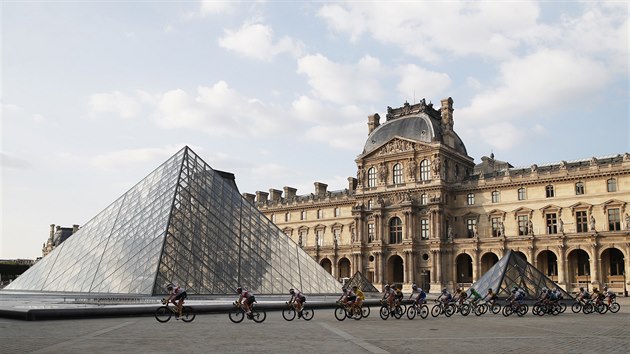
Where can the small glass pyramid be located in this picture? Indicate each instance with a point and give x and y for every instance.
(360, 281)
(513, 270)
(187, 224)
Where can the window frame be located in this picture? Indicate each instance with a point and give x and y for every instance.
(496, 196)
(424, 228)
(579, 188)
(372, 181)
(522, 193)
(395, 230)
(611, 185)
(425, 170)
(549, 191)
(397, 173)
(470, 199)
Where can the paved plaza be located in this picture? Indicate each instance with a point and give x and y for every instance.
(568, 332)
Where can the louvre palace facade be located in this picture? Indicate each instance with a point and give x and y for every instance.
(421, 211)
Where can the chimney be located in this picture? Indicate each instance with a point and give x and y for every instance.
(447, 114)
(52, 231)
(289, 193)
(249, 197)
(373, 122)
(320, 188)
(75, 228)
(352, 183)
(275, 195)
(261, 197)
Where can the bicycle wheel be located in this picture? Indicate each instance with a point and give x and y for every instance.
(601, 308)
(496, 308)
(465, 309)
(576, 307)
(411, 312)
(587, 308)
(188, 314)
(288, 313)
(563, 307)
(478, 310)
(614, 307)
(308, 313)
(436, 310)
(384, 312)
(340, 313)
(163, 314)
(537, 310)
(259, 316)
(365, 310)
(424, 311)
(450, 310)
(398, 312)
(357, 314)
(521, 310)
(507, 310)
(236, 315)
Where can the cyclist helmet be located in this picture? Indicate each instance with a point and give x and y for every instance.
(605, 288)
(414, 286)
(387, 286)
(291, 291)
(355, 287)
(239, 290)
(489, 290)
(581, 288)
(169, 286)
(419, 289)
(444, 290)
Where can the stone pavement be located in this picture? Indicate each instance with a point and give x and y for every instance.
(214, 333)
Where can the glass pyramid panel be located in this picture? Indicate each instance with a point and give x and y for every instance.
(359, 280)
(513, 270)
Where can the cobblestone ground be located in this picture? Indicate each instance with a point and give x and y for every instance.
(568, 332)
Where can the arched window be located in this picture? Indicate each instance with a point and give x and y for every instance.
(287, 217)
(395, 230)
(611, 185)
(579, 188)
(495, 196)
(423, 199)
(372, 177)
(425, 170)
(398, 173)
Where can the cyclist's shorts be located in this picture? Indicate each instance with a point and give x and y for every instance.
(250, 300)
(352, 298)
(302, 298)
(181, 296)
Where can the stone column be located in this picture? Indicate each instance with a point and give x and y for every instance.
(377, 227)
(476, 265)
(412, 267)
(594, 261)
(407, 234)
(377, 267)
(562, 267)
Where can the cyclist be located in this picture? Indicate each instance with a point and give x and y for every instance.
(299, 299)
(389, 294)
(460, 296)
(610, 295)
(422, 296)
(491, 297)
(399, 296)
(475, 296)
(544, 296)
(583, 295)
(360, 297)
(597, 296)
(248, 298)
(445, 297)
(177, 296)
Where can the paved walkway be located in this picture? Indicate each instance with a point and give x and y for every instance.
(214, 333)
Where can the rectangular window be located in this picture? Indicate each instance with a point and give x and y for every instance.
(496, 223)
(611, 185)
(470, 199)
(579, 188)
(549, 191)
(521, 194)
(495, 196)
(614, 220)
(273, 218)
(337, 236)
(370, 232)
(287, 217)
(303, 215)
(320, 237)
(424, 229)
(581, 221)
(523, 225)
(552, 223)
(320, 214)
(471, 226)
(337, 212)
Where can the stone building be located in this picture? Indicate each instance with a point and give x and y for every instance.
(57, 235)
(420, 211)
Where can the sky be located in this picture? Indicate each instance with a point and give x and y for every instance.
(97, 94)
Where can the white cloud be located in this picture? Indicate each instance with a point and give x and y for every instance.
(473, 83)
(502, 135)
(339, 83)
(115, 102)
(414, 79)
(11, 161)
(347, 136)
(256, 41)
(214, 7)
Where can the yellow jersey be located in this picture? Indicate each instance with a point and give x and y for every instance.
(360, 295)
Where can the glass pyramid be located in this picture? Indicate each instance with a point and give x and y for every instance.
(359, 280)
(513, 270)
(187, 224)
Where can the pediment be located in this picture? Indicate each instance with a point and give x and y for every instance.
(614, 202)
(396, 145)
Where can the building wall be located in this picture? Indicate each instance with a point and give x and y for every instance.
(451, 255)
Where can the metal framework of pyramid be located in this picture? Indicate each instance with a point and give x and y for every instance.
(359, 280)
(184, 223)
(513, 270)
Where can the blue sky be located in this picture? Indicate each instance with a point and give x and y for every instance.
(95, 95)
